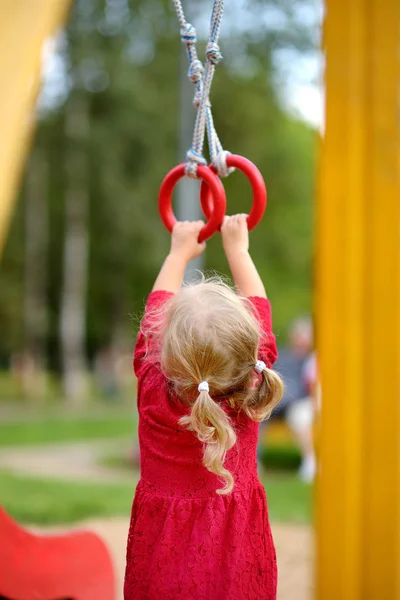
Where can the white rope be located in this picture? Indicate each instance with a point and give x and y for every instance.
(202, 79)
(189, 38)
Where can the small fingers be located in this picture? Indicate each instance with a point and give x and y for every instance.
(191, 225)
(240, 221)
(226, 223)
(198, 224)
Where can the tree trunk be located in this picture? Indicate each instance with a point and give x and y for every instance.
(36, 273)
(76, 244)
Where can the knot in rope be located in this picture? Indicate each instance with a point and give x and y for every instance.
(193, 159)
(196, 71)
(219, 163)
(213, 53)
(202, 76)
(188, 34)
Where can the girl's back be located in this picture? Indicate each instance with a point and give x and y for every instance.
(199, 526)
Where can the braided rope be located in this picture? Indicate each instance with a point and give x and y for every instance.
(202, 79)
(217, 153)
(189, 38)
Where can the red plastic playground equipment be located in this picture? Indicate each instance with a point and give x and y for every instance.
(212, 195)
(257, 184)
(53, 567)
(214, 185)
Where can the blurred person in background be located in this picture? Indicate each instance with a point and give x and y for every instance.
(297, 366)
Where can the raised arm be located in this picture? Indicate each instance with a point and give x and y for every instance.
(235, 238)
(184, 247)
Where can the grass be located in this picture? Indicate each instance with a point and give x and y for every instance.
(289, 500)
(46, 501)
(53, 502)
(56, 502)
(51, 429)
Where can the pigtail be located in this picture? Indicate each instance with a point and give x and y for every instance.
(261, 400)
(210, 338)
(213, 428)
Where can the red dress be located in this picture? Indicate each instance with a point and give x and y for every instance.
(185, 541)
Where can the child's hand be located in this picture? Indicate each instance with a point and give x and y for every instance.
(235, 235)
(235, 238)
(184, 242)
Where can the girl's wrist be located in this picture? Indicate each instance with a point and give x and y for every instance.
(236, 253)
(178, 257)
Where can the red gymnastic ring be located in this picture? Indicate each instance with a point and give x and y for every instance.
(257, 184)
(215, 216)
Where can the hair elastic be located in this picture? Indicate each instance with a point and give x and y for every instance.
(204, 387)
(260, 366)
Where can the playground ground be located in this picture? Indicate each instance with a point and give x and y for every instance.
(76, 483)
(293, 545)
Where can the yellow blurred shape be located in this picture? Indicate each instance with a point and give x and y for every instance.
(358, 305)
(25, 25)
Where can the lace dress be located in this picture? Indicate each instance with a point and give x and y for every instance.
(185, 541)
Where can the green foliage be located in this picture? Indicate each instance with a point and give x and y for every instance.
(281, 458)
(126, 63)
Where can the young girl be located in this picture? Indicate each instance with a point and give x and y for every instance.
(199, 526)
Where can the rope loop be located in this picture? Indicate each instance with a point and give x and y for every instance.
(213, 53)
(193, 159)
(188, 34)
(219, 163)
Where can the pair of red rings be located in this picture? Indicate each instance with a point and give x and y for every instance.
(212, 195)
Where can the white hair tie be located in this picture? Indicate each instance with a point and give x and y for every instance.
(204, 387)
(260, 366)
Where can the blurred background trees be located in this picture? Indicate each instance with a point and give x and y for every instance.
(87, 241)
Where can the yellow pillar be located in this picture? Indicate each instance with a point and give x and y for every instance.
(24, 26)
(358, 305)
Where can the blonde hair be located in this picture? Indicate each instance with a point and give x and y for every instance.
(209, 333)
